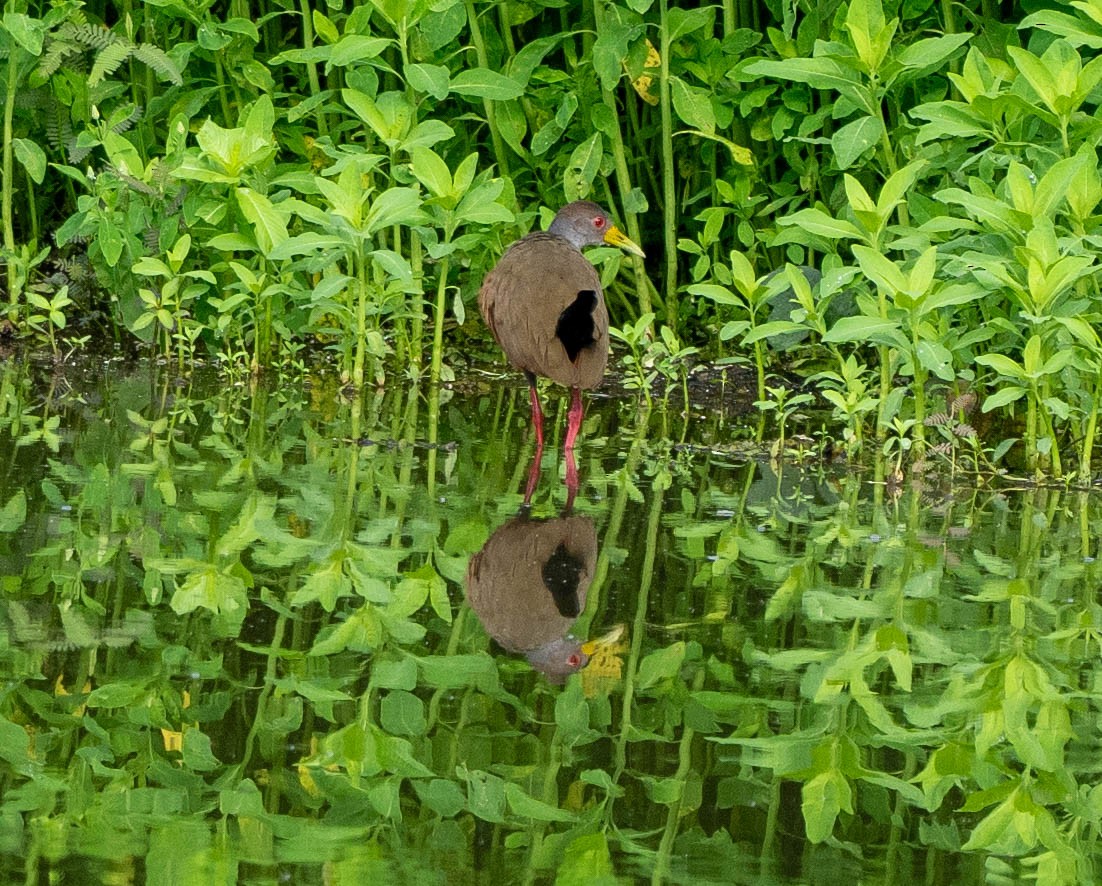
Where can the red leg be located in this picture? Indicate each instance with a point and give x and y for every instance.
(534, 473)
(537, 413)
(572, 481)
(574, 419)
(573, 425)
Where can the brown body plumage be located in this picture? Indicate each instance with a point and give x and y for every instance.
(544, 305)
(528, 586)
(524, 298)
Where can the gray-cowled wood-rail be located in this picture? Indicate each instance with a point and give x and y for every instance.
(544, 305)
(528, 585)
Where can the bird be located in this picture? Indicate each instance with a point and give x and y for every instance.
(544, 305)
(528, 585)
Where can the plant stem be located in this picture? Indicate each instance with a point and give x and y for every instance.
(919, 392)
(673, 815)
(361, 323)
(438, 323)
(311, 67)
(623, 183)
(669, 207)
(1086, 449)
(5, 210)
(488, 106)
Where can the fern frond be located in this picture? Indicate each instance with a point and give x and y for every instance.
(108, 61)
(964, 403)
(56, 52)
(158, 60)
(93, 36)
(120, 124)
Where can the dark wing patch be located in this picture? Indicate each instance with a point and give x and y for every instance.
(561, 574)
(575, 328)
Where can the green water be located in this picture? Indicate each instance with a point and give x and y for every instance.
(235, 648)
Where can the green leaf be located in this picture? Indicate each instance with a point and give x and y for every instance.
(197, 751)
(210, 588)
(118, 694)
(1003, 365)
(484, 83)
(929, 53)
(485, 795)
(582, 169)
(530, 808)
(774, 327)
(815, 221)
(442, 796)
(29, 33)
(819, 73)
(32, 158)
(430, 169)
(269, 222)
(824, 796)
(896, 187)
(402, 713)
(936, 358)
(355, 48)
(14, 744)
(662, 664)
(881, 270)
(719, 294)
(859, 329)
(683, 21)
(457, 671)
(693, 105)
(433, 79)
(1001, 397)
(586, 860)
(854, 139)
(14, 513)
(1036, 72)
(395, 206)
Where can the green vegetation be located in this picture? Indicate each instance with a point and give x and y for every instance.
(244, 183)
(232, 635)
(234, 647)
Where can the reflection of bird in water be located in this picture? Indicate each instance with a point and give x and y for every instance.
(528, 585)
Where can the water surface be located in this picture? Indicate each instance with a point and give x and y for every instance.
(236, 646)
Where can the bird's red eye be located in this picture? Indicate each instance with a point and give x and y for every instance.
(598, 222)
(574, 660)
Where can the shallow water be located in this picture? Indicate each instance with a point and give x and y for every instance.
(235, 646)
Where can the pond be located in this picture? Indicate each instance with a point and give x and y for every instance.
(245, 637)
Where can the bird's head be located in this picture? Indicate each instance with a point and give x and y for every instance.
(584, 223)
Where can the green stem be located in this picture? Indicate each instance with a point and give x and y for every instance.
(638, 631)
(5, 209)
(417, 329)
(361, 324)
(488, 106)
(673, 815)
(438, 323)
(624, 182)
(669, 207)
(919, 392)
(1086, 449)
(311, 68)
(885, 379)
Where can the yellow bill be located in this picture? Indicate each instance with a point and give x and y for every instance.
(615, 237)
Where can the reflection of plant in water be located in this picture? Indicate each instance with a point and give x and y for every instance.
(257, 611)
